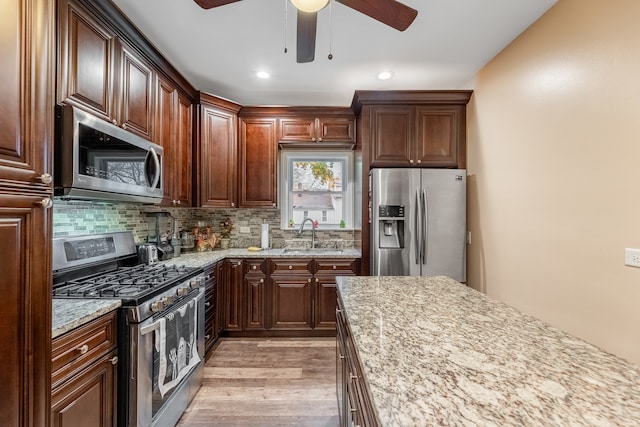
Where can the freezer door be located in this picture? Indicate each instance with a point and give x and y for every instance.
(393, 188)
(444, 207)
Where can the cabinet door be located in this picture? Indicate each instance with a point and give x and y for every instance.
(88, 399)
(297, 129)
(85, 61)
(233, 295)
(165, 136)
(218, 158)
(136, 94)
(324, 302)
(255, 302)
(291, 303)
(437, 136)
(258, 150)
(391, 136)
(182, 189)
(336, 129)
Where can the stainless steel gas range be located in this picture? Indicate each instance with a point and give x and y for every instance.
(160, 326)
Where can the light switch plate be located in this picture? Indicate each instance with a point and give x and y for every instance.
(632, 257)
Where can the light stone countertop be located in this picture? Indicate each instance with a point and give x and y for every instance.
(70, 313)
(436, 352)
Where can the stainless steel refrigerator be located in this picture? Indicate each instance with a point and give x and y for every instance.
(418, 222)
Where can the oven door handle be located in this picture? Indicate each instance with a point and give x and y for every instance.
(150, 328)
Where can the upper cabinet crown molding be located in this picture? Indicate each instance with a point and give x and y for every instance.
(423, 97)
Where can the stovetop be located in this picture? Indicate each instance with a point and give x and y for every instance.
(126, 283)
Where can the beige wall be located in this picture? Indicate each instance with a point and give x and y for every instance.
(554, 164)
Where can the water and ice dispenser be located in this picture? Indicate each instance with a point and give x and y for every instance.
(391, 226)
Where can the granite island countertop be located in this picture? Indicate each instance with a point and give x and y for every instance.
(436, 352)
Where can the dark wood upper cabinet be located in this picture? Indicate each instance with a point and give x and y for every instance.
(258, 162)
(314, 129)
(101, 73)
(391, 135)
(174, 133)
(217, 153)
(27, 82)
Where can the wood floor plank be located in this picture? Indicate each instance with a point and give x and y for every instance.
(267, 382)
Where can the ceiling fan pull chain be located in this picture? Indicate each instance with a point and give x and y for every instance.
(330, 29)
(286, 23)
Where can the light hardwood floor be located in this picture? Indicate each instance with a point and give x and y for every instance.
(267, 382)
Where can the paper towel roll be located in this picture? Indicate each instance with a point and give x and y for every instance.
(264, 240)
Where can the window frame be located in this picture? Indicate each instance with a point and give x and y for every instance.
(287, 157)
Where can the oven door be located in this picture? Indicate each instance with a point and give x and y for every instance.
(167, 363)
(97, 160)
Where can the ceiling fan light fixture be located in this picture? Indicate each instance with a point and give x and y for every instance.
(309, 6)
(384, 75)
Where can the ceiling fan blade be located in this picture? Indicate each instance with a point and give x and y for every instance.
(306, 39)
(389, 12)
(209, 4)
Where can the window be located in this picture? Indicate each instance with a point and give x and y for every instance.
(317, 185)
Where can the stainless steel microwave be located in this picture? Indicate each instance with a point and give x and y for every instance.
(97, 160)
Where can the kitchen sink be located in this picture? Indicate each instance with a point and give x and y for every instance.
(315, 251)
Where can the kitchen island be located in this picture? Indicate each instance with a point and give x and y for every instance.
(432, 351)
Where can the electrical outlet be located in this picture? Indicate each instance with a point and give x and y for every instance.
(245, 230)
(632, 257)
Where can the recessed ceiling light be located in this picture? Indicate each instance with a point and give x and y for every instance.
(263, 74)
(385, 75)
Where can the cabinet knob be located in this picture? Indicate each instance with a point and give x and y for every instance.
(114, 121)
(274, 205)
(334, 267)
(178, 202)
(124, 126)
(46, 202)
(46, 178)
(84, 349)
(313, 139)
(352, 377)
(206, 337)
(320, 139)
(419, 161)
(317, 280)
(114, 360)
(233, 204)
(411, 161)
(291, 267)
(254, 267)
(309, 280)
(261, 280)
(207, 304)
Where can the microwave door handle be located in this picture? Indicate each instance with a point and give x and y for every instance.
(156, 163)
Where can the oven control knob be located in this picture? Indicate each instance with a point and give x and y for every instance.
(182, 291)
(156, 306)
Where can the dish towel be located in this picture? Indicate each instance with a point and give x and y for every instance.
(175, 341)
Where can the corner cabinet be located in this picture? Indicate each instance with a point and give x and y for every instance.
(217, 150)
(27, 54)
(258, 163)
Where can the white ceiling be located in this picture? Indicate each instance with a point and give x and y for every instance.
(219, 50)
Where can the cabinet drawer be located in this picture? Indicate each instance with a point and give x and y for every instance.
(77, 349)
(285, 265)
(338, 266)
(254, 265)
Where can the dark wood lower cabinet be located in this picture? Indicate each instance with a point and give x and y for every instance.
(84, 373)
(285, 297)
(354, 402)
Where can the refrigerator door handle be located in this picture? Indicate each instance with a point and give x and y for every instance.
(416, 234)
(425, 231)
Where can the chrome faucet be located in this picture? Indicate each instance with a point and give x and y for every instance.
(313, 231)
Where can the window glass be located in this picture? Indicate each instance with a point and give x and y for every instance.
(318, 186)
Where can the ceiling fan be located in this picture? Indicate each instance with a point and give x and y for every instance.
(389, 12)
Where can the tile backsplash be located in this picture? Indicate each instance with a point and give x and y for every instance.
(72, 218)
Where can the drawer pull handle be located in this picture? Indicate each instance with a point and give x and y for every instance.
(83, 349)
(353, 377)
(353, 410)
(114, 360)
(341, 356)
